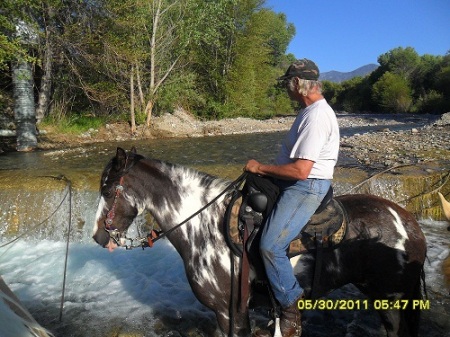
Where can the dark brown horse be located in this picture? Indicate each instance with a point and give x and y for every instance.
(382, 253)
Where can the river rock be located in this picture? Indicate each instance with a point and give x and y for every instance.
(445, 119)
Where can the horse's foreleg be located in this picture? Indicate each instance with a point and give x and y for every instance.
(238, 322)
(216, 293)
(391, 322)
(234, 316)
(396, 322)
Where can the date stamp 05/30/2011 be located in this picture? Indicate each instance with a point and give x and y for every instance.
(362, 304)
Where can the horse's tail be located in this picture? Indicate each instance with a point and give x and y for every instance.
(422, 279)
(411, 313)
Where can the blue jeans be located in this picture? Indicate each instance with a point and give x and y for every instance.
(297, 202)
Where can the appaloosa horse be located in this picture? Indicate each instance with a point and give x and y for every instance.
(382, 253)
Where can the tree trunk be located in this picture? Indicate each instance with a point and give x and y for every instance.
(132, 115)
(46, 81)
(139, 85)
(148, 112)
(24, 110)
(149, 107)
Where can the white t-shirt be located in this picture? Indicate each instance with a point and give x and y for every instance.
(314, 135)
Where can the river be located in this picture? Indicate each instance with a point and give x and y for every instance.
(145, 292)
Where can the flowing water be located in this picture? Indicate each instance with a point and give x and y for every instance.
(145, 292)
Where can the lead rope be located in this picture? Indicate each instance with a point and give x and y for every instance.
(69, 185)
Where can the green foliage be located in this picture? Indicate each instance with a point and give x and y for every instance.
(392, 91)
(331, 92)
(404, 82)
(252, 80)
(179, 91)
(214, 58)
(432, 102)
(251, 75)
(74, 124)
(401, 61)
(13, 45)
(442, 79)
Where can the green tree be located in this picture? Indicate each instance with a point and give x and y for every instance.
(12, 47)
(19, 40)
(442, 84)
(331, 91)
(401, 61)
(350, 96)
(442, 81)
(392, 91)
(212, 52)
(259, 46)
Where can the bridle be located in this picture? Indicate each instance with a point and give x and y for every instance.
(113, 232)
(121, 239)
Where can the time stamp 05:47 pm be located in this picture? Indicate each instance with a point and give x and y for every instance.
(362, 304)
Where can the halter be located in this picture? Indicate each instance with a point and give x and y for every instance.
(120, 238)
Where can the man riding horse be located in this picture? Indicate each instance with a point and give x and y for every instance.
(303, 171)
(382, 249)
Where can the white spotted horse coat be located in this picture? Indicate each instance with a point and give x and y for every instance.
(382, 252)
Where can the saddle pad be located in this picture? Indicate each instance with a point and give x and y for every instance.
(327, 227)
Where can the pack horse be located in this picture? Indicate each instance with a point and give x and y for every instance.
(382, 252)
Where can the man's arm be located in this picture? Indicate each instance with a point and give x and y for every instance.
(297, 170)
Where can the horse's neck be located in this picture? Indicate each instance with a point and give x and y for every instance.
(185, 192)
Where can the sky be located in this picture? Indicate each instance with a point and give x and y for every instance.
(345, 35)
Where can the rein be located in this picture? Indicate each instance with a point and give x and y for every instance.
(153, 236)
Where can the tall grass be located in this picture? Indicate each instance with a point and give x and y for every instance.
(74, 124)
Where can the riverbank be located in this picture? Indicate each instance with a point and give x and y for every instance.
(394, 140)
(421, 138)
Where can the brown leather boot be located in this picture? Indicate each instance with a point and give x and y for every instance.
(290, 321)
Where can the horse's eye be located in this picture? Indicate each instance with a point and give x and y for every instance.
(106, 192)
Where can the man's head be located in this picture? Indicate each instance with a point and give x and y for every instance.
(302, 77)
(304, 69)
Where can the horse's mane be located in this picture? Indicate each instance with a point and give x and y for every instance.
(182, 172)
(175, 172)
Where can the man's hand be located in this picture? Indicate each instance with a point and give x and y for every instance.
(252, 166)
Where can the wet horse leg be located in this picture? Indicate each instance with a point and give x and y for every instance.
(396, 325)
(216, 295)
(241, 324)
(391, 322)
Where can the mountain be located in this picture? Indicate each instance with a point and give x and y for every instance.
(337, 76)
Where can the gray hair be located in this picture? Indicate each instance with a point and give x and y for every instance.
(305, 87)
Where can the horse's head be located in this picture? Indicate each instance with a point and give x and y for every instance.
(116, 209)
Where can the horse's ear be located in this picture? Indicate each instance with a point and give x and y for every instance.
(133, 150)
(121, 159)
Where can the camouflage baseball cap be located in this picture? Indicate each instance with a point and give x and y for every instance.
(304, 69)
